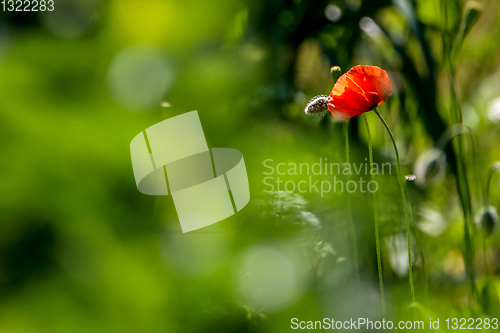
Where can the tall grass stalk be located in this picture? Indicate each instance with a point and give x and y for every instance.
(376, 220)
(471, 14)
(457, 131)
(405, 208)
(495, 167)
(412, 200)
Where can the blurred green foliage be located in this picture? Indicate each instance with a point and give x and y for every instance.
(81, 250)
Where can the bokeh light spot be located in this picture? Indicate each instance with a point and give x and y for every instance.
(333, 13)
(139, 77)
(72, 18)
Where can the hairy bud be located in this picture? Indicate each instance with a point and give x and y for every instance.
(317, 106)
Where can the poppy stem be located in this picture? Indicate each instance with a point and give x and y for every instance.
(349, 204)
(376, 220)
(405, 208)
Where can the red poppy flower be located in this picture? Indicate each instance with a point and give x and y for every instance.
(358, 91)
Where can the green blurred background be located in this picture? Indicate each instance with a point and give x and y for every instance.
(82, 250)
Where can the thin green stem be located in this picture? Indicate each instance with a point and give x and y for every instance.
(412, 199)
(495, 167)
(376, 220)
(463, 184)
(405, 208)
(465, 197)
(349, 205)
(459, 129)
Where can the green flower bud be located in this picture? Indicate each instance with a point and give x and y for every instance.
(472, 11)
(430, 167)
(336, 72)
(488, 220)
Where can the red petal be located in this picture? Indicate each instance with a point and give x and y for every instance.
(375, 80)
(358, 91)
